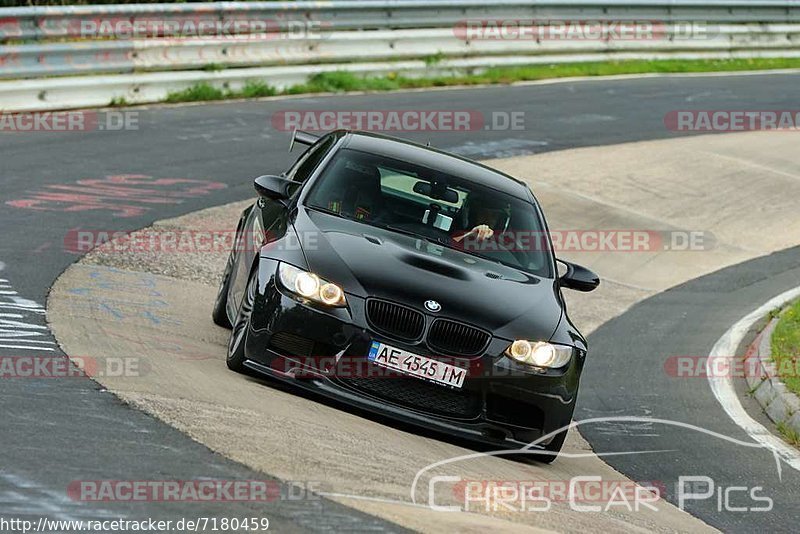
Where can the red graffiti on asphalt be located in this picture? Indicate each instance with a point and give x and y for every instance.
(126, 195)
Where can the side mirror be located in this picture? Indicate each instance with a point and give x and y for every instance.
(274, 187)
(578, 278)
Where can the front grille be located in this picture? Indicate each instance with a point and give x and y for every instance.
(291, 344)
(420, 395)
(452, 338)
(395, 320)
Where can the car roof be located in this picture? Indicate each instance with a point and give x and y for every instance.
(401, 149)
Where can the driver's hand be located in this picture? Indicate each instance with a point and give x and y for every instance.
(482, 232)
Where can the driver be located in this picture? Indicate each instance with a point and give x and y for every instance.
(485, 215)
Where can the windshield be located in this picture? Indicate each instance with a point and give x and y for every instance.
(435, 206)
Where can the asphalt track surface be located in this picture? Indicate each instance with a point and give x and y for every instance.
(687, 320)
(58, 431)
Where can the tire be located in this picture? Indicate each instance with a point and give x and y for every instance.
(219, 314)
(236, 343)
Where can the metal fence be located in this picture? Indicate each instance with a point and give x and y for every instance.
(42, 23)
(155, 43)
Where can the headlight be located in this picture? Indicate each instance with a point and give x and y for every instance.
(310, 286)
(539, 353)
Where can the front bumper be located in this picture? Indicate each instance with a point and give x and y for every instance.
(325, 350)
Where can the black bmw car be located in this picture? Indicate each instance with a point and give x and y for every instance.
(409, 282)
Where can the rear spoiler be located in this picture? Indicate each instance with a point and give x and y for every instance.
(304, 138)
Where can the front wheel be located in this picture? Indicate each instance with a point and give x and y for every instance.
(220, 314)
(236, 356)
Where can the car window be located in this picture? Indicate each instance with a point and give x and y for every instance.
(431, 204)
(399, 183)
(309, 160)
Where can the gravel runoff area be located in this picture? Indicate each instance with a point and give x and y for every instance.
(190, 260)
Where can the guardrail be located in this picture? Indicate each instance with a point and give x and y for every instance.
(50, 22)
(158, 40)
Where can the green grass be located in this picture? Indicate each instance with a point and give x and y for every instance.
(789, 434)
(213, 67)
(343, 81)
(196, 93)
(257, 89)
(785, 344)
(205, 91)
(433, 59)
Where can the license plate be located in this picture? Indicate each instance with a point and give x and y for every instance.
(416, 365)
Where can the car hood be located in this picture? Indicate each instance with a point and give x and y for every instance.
(372, 262)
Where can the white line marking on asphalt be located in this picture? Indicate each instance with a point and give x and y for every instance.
(20, 331)
(723, 386)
